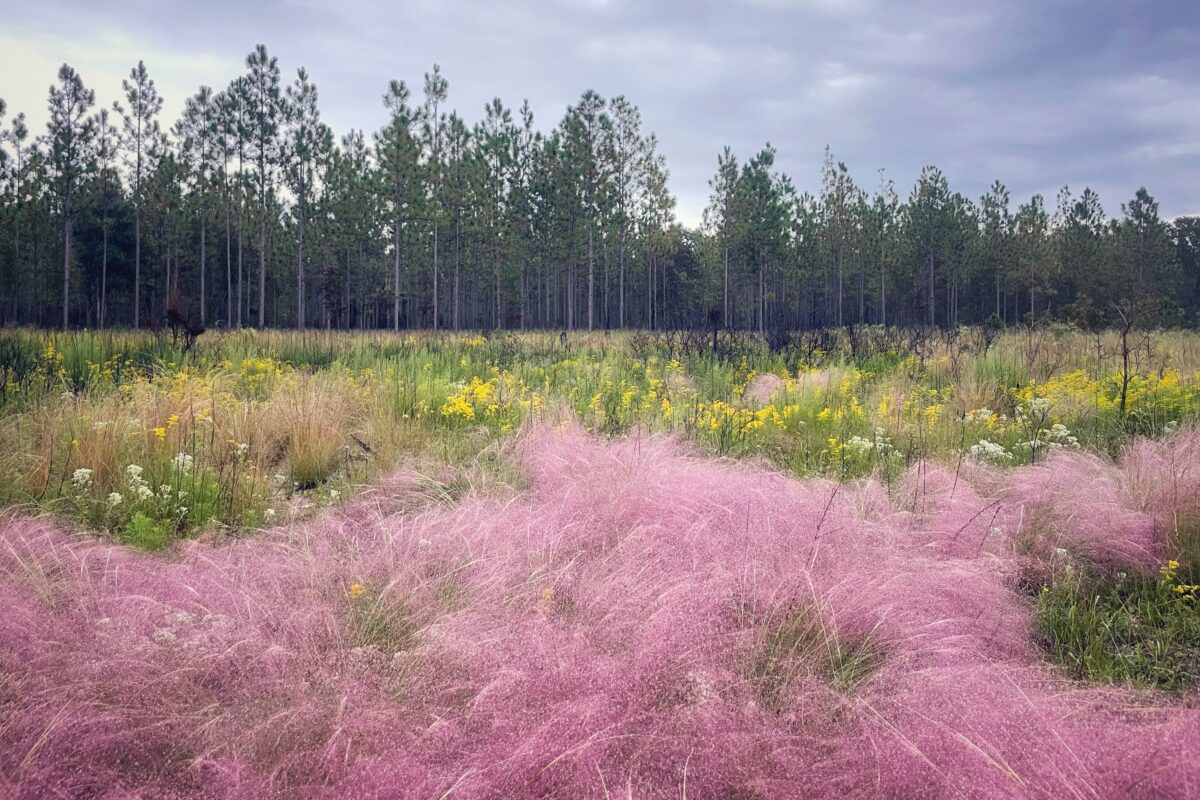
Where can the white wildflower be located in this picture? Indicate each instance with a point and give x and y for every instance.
(137, 484)
(985, 450)
(858, 445)
(82, 478)
(980, 415)
(1039, 405)
(1061, 435)
(880, 444)
(115, 498)
(183, 462)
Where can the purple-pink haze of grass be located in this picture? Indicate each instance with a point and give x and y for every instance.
(642, 622)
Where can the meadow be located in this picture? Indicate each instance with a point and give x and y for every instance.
(868, 562)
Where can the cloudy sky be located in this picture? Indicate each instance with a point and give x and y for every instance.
(1037, 93)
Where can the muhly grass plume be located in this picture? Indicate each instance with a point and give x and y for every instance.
(640, 623)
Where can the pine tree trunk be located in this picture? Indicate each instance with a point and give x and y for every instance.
(240, 290)
(300, 270)
(882, 288)
(104, 277)
(621, 289)
(203, 265)
(137, 265)
(649, 290)
(262, 262)
(931, 298)
(591, 281)
(435, 275)
(762, 296)
(841, 281)
(66, 272)
(457, 272)
(725, 317)
(228, 269)
(396, 276)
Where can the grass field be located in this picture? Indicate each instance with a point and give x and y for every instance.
(866, 563)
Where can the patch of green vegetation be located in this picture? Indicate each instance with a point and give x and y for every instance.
(379, 621)
(1136, 630)
(799, 642)
(146, 533)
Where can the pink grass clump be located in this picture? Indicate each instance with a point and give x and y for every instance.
(641, 623)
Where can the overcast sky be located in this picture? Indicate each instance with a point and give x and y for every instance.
(1037, 93)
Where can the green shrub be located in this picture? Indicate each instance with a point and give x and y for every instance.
(146, 533)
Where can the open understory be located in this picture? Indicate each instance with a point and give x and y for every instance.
(532, 602)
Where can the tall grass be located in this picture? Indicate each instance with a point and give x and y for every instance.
(272, 414)
(641, 621)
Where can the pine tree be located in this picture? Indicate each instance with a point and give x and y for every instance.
(926, 224)
(70, 132)
(627, 149)
(436, 91)
(721, 220)
(104, 155)
(397, 153)
(265, 106)
(1031, 228)
(494, 137)
(141, 126)
(307, 151)
(197, 134)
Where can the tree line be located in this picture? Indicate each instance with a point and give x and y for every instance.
(249, 211)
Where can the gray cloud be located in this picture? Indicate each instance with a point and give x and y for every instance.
(1038, 94)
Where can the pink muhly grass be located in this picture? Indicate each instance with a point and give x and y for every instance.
(641, 622)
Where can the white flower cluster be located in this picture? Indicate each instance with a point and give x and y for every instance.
(1060, 436)
(1035, 411)
(115, 499)
(137, 484)
(985, 450)
(82, 478)
(979, 415)
(183, 462)
(1055, 437)
(879, 445)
